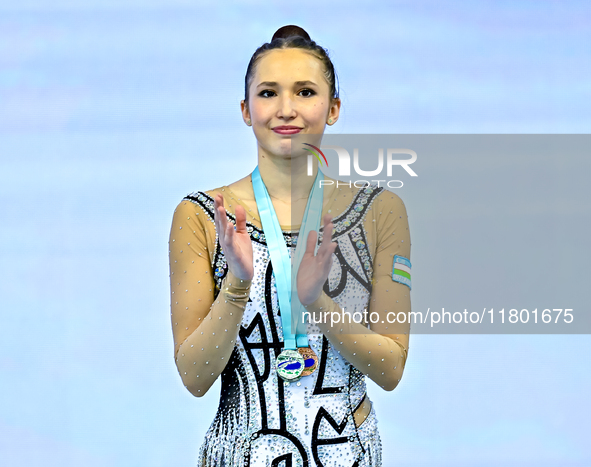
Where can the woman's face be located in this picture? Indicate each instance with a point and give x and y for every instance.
(288, 95)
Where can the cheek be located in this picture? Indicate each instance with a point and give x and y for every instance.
(258, 111)
(318, 112)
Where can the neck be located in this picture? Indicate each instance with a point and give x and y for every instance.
(286, 179)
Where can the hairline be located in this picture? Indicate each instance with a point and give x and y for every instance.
(308, 51)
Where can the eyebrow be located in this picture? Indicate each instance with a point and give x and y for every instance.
(297, 83)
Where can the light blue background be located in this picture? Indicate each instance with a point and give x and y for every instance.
(111, 111)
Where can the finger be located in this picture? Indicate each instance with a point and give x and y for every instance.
(222, 216)
(328, 226)
(329, 230)
(222, 221)
(240, 220)
(229, 231)
(326, 243)
(216, 219)
(311, 243)
(218, 200)
(334, 246)
(328, 251)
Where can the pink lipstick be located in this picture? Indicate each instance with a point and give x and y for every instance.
(287, 129)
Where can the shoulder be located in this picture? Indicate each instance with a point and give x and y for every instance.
(203, 201)
(390, 202)
(376, 198)
(207, 196)
(196, 204)
(392, 226)
(358, 204)
(388, 214)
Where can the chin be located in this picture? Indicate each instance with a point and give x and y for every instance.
(282, 148)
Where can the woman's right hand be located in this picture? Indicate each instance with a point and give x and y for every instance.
(235, 242)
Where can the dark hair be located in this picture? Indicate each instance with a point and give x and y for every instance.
(293, 37)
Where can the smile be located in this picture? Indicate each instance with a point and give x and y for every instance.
(287, 130)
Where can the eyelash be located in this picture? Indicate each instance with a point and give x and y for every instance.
(262, 93)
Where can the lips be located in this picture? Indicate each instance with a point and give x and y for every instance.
(287, 129)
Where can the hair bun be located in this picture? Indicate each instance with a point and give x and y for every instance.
(290, 31)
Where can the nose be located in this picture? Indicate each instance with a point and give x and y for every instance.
(287, 108)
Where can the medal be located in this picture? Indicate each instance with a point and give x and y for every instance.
(310, 360)
(297, 359)
(290, 365)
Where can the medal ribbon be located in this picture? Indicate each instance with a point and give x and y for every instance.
(285, 274)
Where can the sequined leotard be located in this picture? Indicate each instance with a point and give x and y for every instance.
(262, 420)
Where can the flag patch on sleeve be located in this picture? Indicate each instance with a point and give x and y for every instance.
(401, 270)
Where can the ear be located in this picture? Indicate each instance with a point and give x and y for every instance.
(245, 112)
(333, 111)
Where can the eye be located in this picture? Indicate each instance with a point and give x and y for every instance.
(266, 93)
(307, 92)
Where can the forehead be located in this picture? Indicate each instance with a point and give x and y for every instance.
(289, 65)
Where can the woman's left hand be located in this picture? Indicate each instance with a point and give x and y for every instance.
(314, 269)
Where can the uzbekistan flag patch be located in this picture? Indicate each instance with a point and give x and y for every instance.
(401, 270)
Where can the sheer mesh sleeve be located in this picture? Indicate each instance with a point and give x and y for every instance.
(191, 274)
(204, 330)
(380, 354)
(389, 298)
